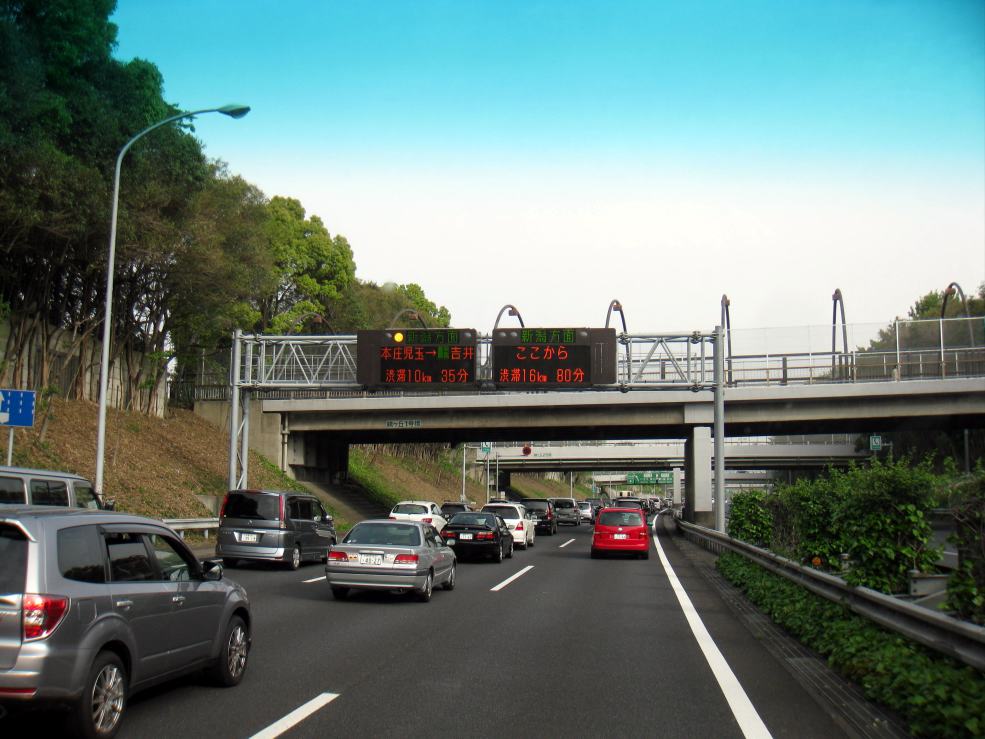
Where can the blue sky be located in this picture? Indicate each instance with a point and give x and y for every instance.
(556, 155)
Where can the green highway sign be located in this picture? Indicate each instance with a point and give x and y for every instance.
(875, 443)
(661, 477)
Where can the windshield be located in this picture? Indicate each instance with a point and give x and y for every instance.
(473, 519)
(252, 505)
(620, 518)
(384, 534)
(564, 503)
(508, 513)
(411, 508)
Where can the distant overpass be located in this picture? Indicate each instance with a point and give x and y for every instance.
(669, 455)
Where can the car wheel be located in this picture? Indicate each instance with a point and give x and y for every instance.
(340, 593)
(295, 558)
(100, 710)
(450, 582)
(230, 667)
(424, 594)
(646, 554)
(595, 555)
(509, 553)
(498, 556)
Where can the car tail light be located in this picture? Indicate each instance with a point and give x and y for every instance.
(406, 559)
(642, 533)
(18, 691)
(549, 515)
(42, 614)
(448, 534)
(427, 520)
(222, 510)
(519, 526)
(392, 518)
(283, 518)
(485, 535)
(334, 556)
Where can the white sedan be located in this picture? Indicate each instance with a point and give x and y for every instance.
(517, 517)
(419, 510)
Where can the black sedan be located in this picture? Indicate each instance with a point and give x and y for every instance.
(479, 533)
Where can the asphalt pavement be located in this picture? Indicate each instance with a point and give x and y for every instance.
(571, 647)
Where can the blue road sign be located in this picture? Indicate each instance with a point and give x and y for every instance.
(17, 408)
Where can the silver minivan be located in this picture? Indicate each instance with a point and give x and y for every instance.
(96, 605)
(25, 486)
(273, 526)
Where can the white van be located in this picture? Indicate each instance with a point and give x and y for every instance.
(21, 485)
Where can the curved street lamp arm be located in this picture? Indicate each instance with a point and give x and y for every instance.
(951, 289)
(513, 312)
(836, 300)
(726, 323)
(411, 313)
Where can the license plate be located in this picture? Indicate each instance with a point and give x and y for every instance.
(249, 538)
(370, 559)
(465, 537)
(620, 536)
(450, 542)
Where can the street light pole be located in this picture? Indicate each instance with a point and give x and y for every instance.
(233, 111)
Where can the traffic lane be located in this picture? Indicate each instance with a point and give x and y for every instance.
(305, 643)
(783, 704)
(540, 648)
(623, 638)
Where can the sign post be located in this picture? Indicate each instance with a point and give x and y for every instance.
(16, 410)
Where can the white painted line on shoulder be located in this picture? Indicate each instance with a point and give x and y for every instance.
(314, 579)
(511, 578)
(750, 723)
(296, 716)
(562, 546)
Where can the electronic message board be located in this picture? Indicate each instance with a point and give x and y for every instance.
(416, 358)
(553, 358)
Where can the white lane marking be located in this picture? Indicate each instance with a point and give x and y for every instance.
(511, 578)
(296, 716)
(314, 579)
(562, 546)
(750, 723)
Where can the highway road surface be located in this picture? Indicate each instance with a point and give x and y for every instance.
(550, 643)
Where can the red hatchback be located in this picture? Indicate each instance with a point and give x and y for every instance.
(621, 530)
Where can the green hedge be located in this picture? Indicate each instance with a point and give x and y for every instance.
(936, 696)
(878, 516)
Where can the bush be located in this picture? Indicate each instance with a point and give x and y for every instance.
(966, 586)
(882, 523)
(750, 519)
(937, 697)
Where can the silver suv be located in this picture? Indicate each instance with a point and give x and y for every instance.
(96, 605)
(567, 511)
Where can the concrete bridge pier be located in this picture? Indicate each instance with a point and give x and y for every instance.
(676, 490)
(310, 456)
(697, 477)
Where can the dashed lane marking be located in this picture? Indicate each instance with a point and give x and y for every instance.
(314, 579)
(296, 716)
(562, 546)
(511, 578)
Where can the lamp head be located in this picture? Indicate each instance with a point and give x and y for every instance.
(234, 111)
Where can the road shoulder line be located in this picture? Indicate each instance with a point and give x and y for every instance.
(745, 713)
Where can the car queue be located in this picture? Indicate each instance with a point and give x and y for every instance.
(52, 655)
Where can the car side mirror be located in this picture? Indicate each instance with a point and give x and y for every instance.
(327, 519)
(212, 569)
(109, 504)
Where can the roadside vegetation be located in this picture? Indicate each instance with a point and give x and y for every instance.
(871, 527)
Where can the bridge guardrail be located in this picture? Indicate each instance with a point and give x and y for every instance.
(952, 637)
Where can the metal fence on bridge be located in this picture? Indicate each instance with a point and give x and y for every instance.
(325, 366)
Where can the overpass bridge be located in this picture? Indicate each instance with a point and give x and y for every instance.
(669, 455)
(307, 407)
